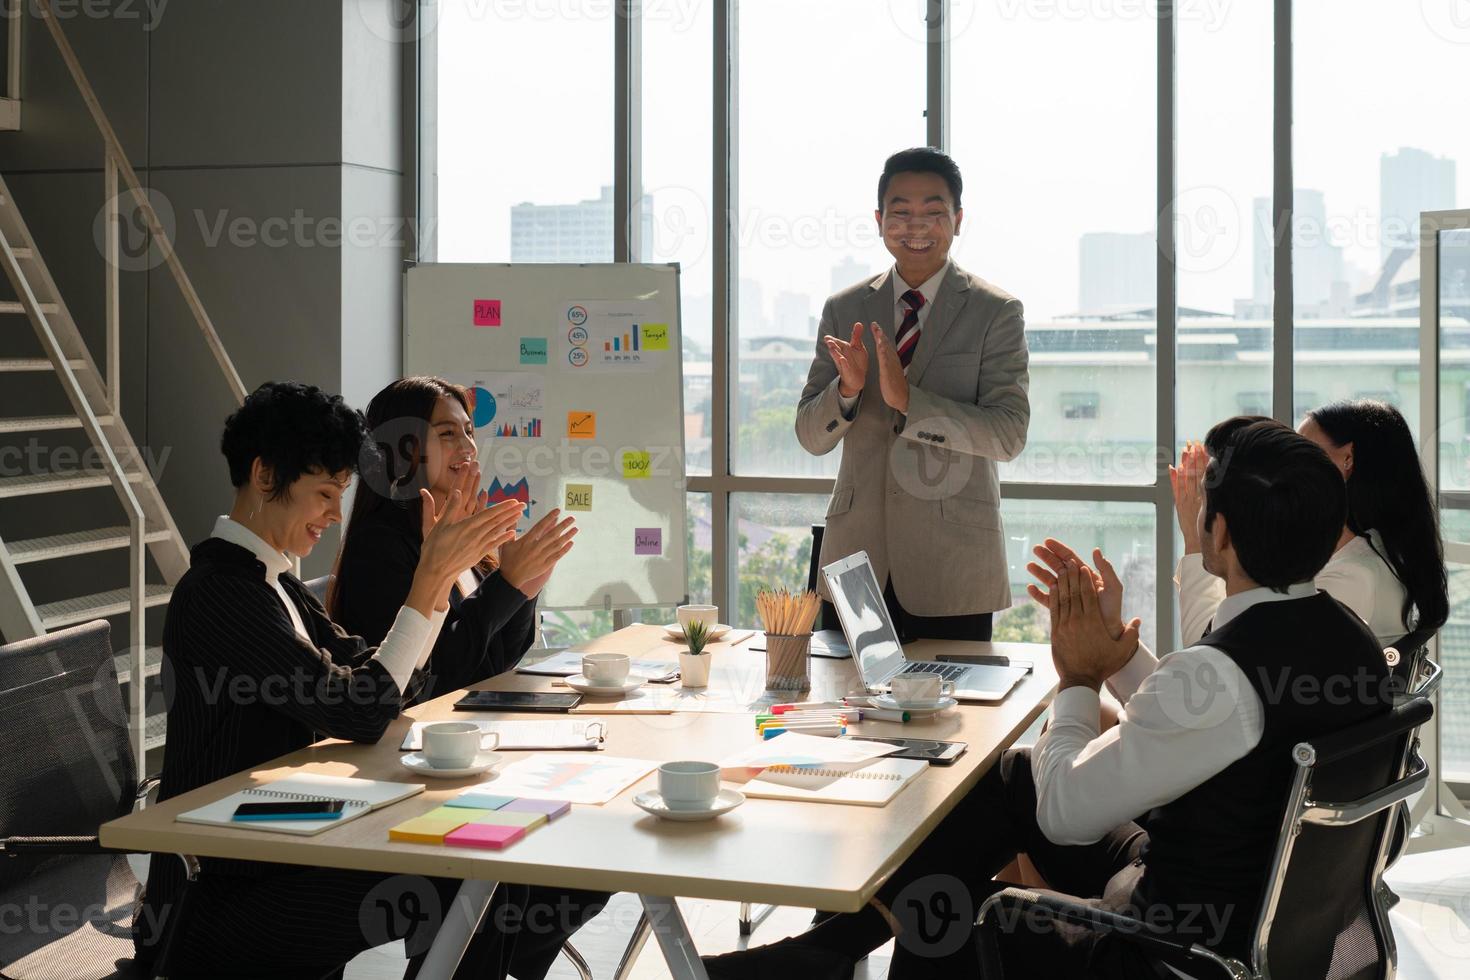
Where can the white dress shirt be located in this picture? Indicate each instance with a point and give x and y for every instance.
(407, 645)
(929, 288)
(1356, 576)
(1185, 718)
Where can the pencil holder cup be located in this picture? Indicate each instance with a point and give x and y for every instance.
(788, 662)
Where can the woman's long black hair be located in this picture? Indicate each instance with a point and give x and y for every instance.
(1387, 493)
(398, 424)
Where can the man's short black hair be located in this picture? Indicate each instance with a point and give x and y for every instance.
(922, 160)
(1284, 503)
(294, 429)
(1221, 434)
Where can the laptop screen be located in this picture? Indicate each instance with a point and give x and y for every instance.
(865, 620)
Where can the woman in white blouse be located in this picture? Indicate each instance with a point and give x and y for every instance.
(1389, 563)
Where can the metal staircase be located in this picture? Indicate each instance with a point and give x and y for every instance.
(93, 392)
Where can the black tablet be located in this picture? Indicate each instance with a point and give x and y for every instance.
(516, 701)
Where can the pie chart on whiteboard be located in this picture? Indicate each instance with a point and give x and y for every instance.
(482, 406)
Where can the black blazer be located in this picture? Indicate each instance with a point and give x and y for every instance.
(244, 688)
(484, 634)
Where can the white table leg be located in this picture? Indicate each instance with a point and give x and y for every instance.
(460, 921)
(673, 937)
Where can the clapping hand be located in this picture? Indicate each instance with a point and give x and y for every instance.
(1187, 480)
(527, 562)
(851, 359)
(1105, 581)
(891, 380)
(1083, 648)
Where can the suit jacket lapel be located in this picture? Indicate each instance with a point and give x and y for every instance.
(948, 302)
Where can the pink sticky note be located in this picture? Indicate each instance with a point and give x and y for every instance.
(552, 808)
(492, 836)
(648, 541)
(487, 312)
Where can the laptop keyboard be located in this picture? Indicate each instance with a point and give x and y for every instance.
(947, 671)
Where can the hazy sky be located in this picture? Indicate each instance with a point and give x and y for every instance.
(1053, 109)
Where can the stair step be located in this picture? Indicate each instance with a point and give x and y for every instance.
(37, 483)
(76, 543)
(114, 602)
(47, 423)
(16, 364)
(152, 664)
(13, 306)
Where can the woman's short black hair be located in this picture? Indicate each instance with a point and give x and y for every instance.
(922, 160)
(1283, 500)
(294, 429)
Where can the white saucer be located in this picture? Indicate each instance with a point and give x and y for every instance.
(927, 707)
(416, 761)
(582, 685)
(652, 801)
(715, 632)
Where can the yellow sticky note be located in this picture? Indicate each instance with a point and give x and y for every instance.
(431, 827)
(655, 336)
(636, 465)
(579, 496)
(581, 425)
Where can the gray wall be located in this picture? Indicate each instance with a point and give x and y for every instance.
(273, 129)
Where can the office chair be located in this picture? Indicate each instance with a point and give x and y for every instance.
(67, 769)
(1324, 913)
(318, 587)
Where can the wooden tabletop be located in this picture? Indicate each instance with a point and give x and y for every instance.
(819, 855)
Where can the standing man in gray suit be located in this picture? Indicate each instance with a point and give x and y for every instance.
(926, 393)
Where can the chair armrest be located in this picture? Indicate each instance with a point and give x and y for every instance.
(16, 846)
(146, 786)
(1010, 903)
(1342, 814)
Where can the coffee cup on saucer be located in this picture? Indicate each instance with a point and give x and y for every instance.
(689, 785)
(694, 612)
(919, 687)
(456, 744)
(606, 669)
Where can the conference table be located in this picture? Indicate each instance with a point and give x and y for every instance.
(766, 851)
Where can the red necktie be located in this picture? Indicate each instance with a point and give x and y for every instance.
(907, 339)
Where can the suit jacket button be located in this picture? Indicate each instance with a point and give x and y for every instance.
(939, 438)
(831, 425)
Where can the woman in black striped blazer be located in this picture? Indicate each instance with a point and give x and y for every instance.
(257, 669)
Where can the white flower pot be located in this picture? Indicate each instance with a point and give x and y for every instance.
(694, 670)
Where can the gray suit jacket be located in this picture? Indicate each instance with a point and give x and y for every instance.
(919, 492)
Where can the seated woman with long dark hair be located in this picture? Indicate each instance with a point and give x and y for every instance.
(258, 670)
(1389, 563)
(426, 439)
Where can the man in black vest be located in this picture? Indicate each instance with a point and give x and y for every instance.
(1172, 815)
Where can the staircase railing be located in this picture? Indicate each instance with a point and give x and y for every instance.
(116, 169)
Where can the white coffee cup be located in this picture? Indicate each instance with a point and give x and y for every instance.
(456, 744)
(919, 686)
(606, 669)
(690, 785)
(708, 615)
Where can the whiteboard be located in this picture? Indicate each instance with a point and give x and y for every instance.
(576, 377)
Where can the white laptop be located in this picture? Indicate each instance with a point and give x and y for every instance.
(874, 641)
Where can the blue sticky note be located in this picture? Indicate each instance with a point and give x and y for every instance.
(479, 800)
(533, 350)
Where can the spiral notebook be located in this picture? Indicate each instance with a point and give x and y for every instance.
(362, 796)
(864, 784)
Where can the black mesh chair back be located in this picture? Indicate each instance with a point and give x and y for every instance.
(1328, 919)
(67, 768)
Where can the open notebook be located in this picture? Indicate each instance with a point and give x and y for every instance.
(362, 796)
(863, 783)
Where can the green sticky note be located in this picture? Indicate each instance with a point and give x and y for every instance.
(579, 496)
(533, 350)
(636, 465)
(655, 336)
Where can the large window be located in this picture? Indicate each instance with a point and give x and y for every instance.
(757, 130)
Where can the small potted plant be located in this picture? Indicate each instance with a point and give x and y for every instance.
(694, 662)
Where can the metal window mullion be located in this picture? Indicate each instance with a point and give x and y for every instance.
(1167, 326)
(628, 131)
(724, 307)
(936, 71)
(1283, 392)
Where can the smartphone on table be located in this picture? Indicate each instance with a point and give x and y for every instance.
(930, 750)
(291, 810)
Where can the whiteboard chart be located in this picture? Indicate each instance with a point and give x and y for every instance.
(577, 394)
